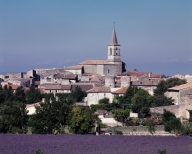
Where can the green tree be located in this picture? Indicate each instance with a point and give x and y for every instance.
(50, 118)
(141, 99)
(104, 101)
(150, 124)
(120, 115)
(82, 120)
(174, 124)
(127, 97)
(13, 117)
(163, 85)
(162, 100)
(78, 95)
(2, 95)
(19, 95)
(33, 95)
(167, 116)
(171, 123)
(8, 93)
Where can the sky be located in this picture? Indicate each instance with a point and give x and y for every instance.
(155, 35)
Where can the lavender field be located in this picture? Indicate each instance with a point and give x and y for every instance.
(90, 144)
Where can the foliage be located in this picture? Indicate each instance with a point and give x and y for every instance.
(150, 124)
(39, 151)
(104, 101)
(163, 85)
(48, 97)
(13, 117)
(174, 124)
(145, 111)
(8, 94)
(120, 115)
(125, 101)
(162, 100)
(33, 95)
(163, 151)
(19, 95)
(167, 116)
(82, 120)
(2, 95)
(78, 95)
(133, 122)
(50, 118)
(171, 122)
(141, 99)
(108, 107)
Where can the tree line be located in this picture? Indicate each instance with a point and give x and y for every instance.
(57, 114)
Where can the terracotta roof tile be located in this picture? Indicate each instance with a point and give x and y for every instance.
(181, 87)
(100, 90)
(76, 67)
(94, 62)
(157, 76)
(84, 87)
(120, 91)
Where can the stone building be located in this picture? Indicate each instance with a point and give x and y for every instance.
(110, 67)
(182, 96)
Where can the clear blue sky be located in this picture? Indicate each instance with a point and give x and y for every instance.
(155, 35)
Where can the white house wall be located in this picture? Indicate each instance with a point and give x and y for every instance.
(93, 98)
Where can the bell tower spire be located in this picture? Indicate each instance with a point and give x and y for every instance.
(114, 48)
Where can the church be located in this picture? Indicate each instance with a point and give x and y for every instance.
(110, 67)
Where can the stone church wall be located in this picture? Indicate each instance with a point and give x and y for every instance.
(90, 69)
(113, 69)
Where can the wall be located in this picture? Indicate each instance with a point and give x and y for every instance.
(174, 95)
(172, 108)
(109, 121)
(93, 98)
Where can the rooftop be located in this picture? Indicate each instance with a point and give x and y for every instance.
(181, 87)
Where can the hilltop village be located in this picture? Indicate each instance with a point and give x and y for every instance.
(102, 79)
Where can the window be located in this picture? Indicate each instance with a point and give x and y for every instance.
(108, 70)
(48, 79)
(110, 51)
(116, 51)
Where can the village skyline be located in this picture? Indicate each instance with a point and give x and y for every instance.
(155, 36)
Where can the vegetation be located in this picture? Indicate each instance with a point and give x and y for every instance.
(172, 124)
(13, 117)
(50, 118)
(82, 120)
(33, 95)
(78, 94)
(163, 85)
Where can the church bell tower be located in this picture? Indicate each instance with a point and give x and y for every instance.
(114, 49)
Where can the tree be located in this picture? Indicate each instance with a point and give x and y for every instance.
(174, 124)
(2, 95)
(126, 100)
(171, 122)
(141, 99)
(19, 95)
(33, 95)
(78, 95)
(13, 117)
(163, 85)
(150, 124)
(50, 117)
(162, 100)
(167, 116)
(8, 93)
(104, 101)
(120, 115)
(82, 120)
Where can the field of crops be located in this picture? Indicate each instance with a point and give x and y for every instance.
(91, 144)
